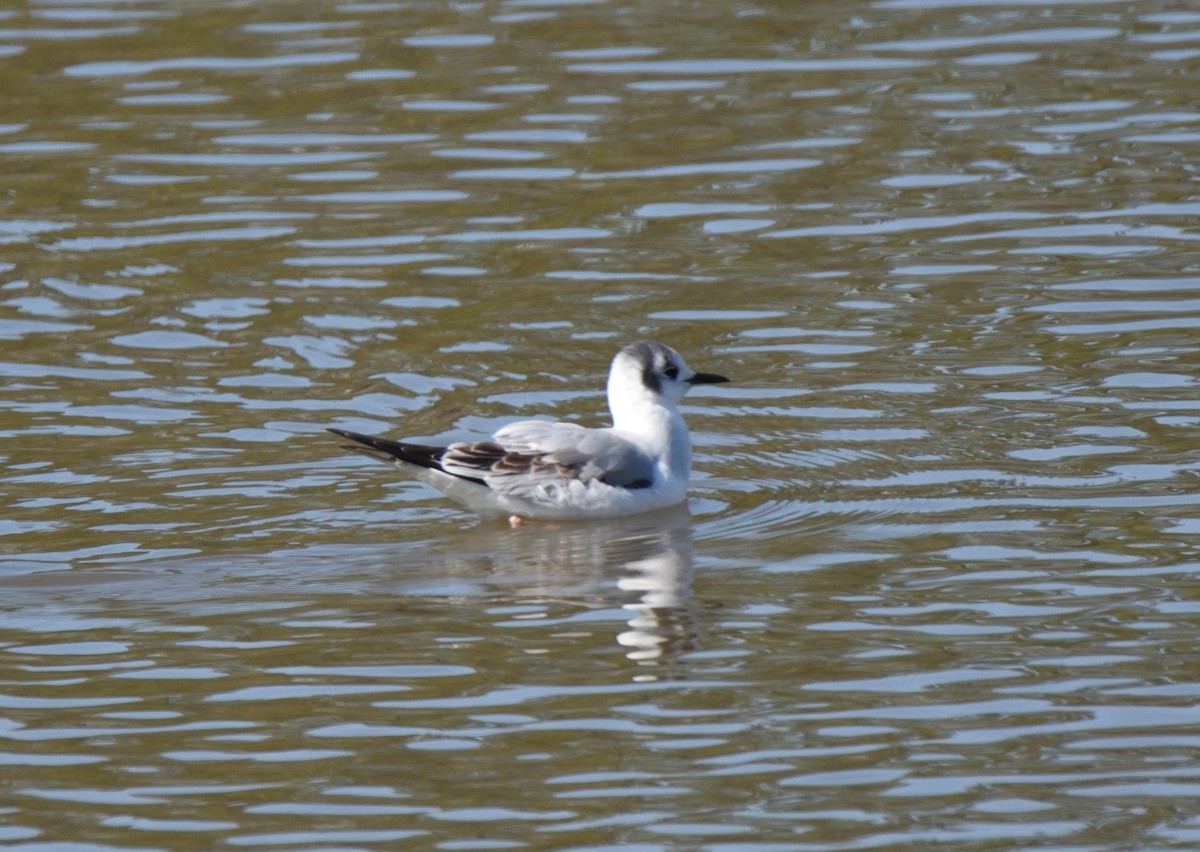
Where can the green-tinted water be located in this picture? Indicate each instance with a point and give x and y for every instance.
(937, 584)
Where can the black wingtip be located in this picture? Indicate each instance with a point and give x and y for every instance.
(361, 442)
(350, 436)
(390, 451)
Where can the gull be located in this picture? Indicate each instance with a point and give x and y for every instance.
(557, 471)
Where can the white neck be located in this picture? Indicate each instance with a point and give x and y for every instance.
(653, 425)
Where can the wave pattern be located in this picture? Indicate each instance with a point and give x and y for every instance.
(935, 584)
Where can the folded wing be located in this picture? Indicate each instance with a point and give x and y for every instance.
(534, 454)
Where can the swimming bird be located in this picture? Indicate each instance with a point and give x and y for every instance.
(555, 470)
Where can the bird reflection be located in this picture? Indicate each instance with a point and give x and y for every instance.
(658, 588)
(648, 556)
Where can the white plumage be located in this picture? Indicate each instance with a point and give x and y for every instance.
(541, 469)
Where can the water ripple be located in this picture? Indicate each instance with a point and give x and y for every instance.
(934, 583)
(742, 66)
(127, 68)
(732, 167)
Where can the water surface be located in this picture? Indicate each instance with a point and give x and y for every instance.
(936, 581)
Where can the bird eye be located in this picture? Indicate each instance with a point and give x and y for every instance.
(672, 372)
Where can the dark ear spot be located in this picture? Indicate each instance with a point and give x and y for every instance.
(650, 379)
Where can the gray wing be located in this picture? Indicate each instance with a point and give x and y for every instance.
(533, 453)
